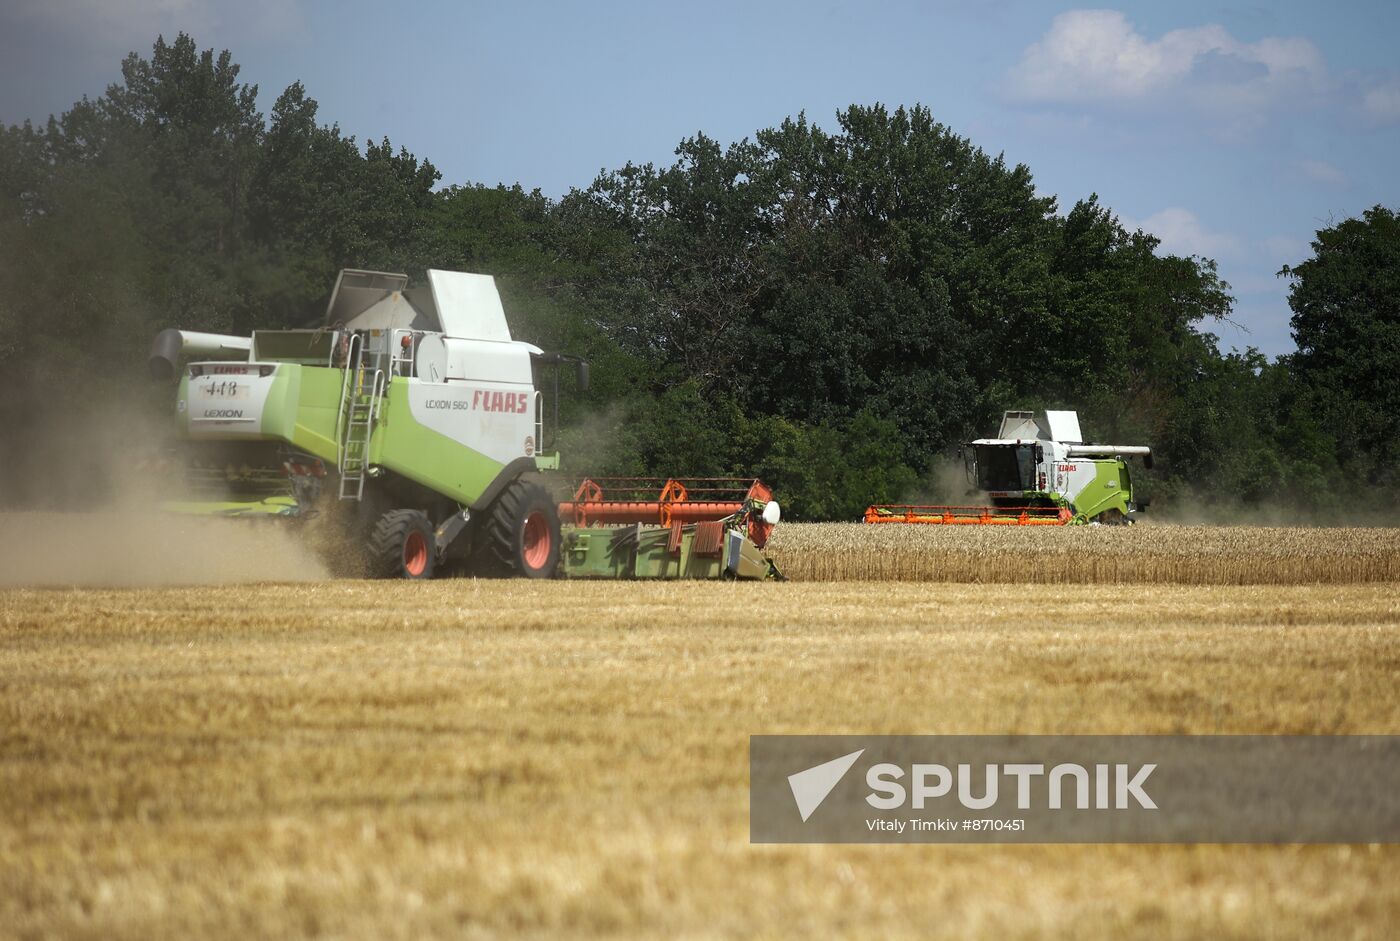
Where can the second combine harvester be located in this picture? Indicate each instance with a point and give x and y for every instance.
(414, 417)
(1037, 471)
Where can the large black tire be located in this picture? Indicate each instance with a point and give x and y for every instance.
(521, 534)
(402, 544)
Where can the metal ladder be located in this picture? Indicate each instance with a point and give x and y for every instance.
(361, 396)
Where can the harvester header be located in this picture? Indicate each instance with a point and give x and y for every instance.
(654, 500)
(654, 527)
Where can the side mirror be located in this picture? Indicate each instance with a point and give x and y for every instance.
(1147, 460)
(581, 379)
(772, 513)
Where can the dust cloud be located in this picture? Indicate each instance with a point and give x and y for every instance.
(945, 484)
(1189, 507)
(592, 440)
(82, 507)
(127, 548)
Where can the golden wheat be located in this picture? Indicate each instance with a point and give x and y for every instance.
(1154, 554)
(485, 759)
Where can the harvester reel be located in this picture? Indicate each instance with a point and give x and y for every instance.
(521, 535)
(402, 545)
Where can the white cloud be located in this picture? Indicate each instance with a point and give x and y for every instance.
(1181, 233)
(1381, 104)
(1320, 171)
(1098, 56)
(1088, 54)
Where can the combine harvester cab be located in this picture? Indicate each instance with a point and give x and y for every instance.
(410, 417)
(1037, 472)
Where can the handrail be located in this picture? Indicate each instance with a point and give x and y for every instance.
(376, 394)
(539, 422)
(352, 360)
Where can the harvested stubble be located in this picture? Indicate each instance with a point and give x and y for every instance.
(1153, 554)
(570, 759)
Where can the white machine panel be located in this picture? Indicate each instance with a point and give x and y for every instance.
(497, 419)
(1064, 426)
(228, 399)
(468, 305)
(1071, 477)
(391, 312)
(1019, 426)
(446, 359)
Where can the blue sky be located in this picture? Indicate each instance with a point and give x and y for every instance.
(1233, 130)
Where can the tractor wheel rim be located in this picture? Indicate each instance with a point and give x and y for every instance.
(537, 541)
(415, 554)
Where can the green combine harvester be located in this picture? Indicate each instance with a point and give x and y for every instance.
(413, 420)
(1037, 471)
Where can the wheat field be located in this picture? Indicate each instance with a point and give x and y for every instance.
(481, 759)
(1144, 554)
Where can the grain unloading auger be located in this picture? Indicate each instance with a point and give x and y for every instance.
(414, 419)
(1037, 471)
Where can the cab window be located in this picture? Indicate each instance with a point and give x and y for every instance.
(1005, 467)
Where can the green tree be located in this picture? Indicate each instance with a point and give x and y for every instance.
(829, 309)
(1346, 321)
(320, 205)
(895, 268)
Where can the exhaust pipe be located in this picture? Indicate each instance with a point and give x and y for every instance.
(171, 346)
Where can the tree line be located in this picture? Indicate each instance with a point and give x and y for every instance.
(833, 310)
